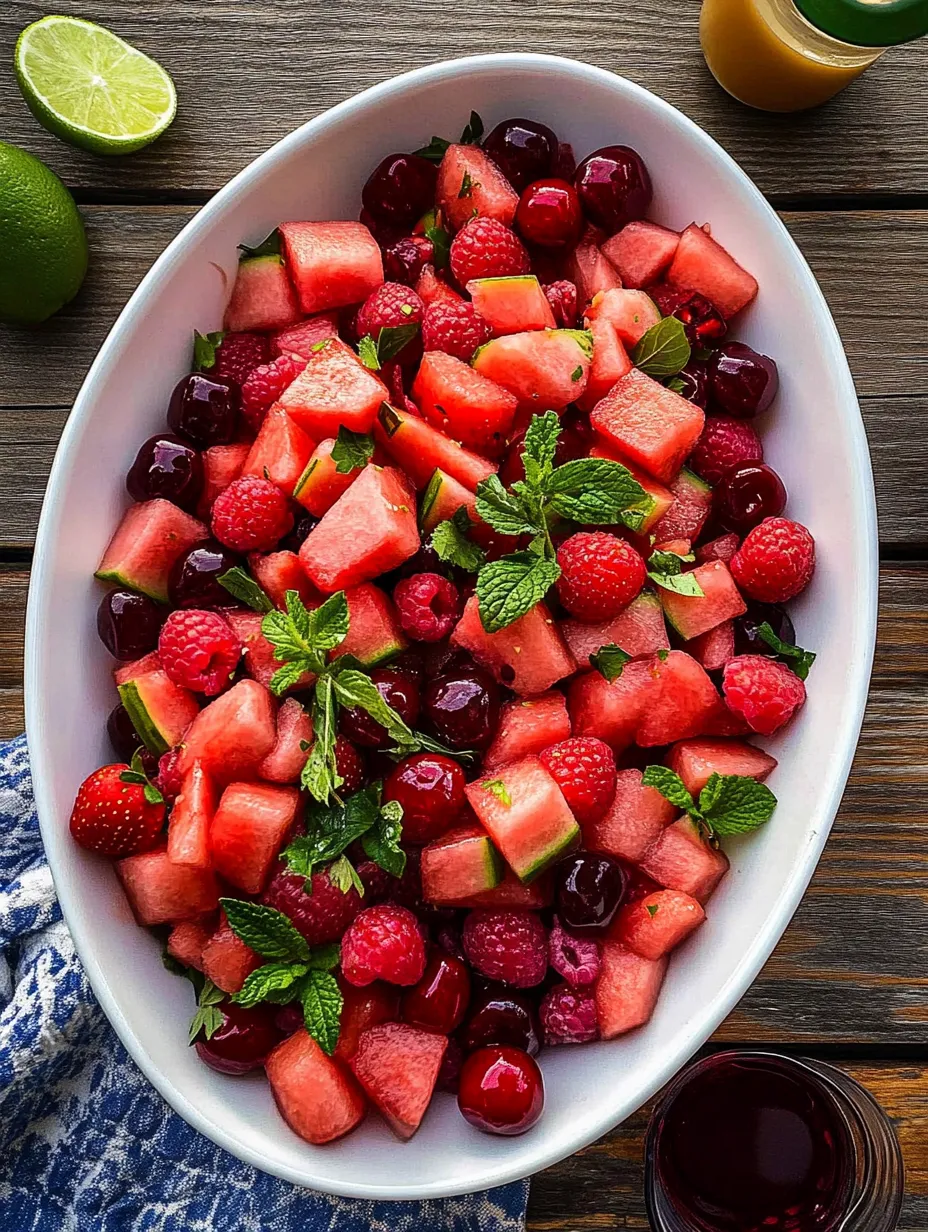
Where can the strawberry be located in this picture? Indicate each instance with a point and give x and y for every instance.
(117, 812)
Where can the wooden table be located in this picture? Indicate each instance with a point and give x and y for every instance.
(849, 981)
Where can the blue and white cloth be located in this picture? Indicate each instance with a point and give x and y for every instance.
(86, 1144)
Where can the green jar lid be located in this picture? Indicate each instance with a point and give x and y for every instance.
(868, 23)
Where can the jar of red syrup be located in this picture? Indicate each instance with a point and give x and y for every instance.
(755, 1142)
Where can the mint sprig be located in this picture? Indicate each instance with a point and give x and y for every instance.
(311, 983)
(796, 659)
(205, 347)
(610, 661)
(510, 587)
(331, 828)
(265, 930)
(136, 774)
(663, 350)
(389, 342)
(208, 1017)
(241, 585)
(435, 151)
(453, 545)
(728, 804)
(665, 569)
(381, 843)
(473, 130)
(352, 450)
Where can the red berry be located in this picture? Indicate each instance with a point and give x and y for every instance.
(320, 916)
(775, 562)
(383, 943)
(568, 1015)
(549, 214)
(398, 690)
(511, 946)
(264, 385)
(724, 443)
(501, 1090)
(391, 305)
(438, 1001)
(198, 650)
(251, 515)
(701, 320)
(584, 769)
(113, 817)
(350, 765)
(485, 248)
(169, 781)
(746, 494)
(238, 354)
(577, 959)
(562, 296)
(764, 692)
(429, 606)
(600, 575)
(243, 1041)
(449, 1076)
(404, 260)
(455, 327)
(430, 787)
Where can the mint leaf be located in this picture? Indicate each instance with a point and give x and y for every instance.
(367, 353)
(427, 744)
(382, 842)
(652, 909)
(269, 247)
(665, 569)
(328, 623)
(325, 957)
(676, 386)
(330, 829)
(497, 788)
(671, 787)
(668, 562)
(267, 931)
(241, 585)
(136, 774)
(205, 347)
(290, 633)
(272, 978)
(510, 587)
(467, 186)
(344, 876)
(595, 491)
(452, 544)
(473, 130)
(664, 349)
(609, 661)
(320, 775)
(541, 439)
(504, 510)
(208, 1018)
(434, 151)
(796, 659)
(735, 804)
(354, 688)
(577, 373)
(352, 450)
(392, 339)
(322, 1003)
(441, 245)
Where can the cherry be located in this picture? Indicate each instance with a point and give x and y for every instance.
(590, 889)
(397, 690)
(614, 186)
(128, 624)
(746, 494)
(741, 381)
(444, 659)
(438, 1002)
(695, 383)
(303, 523)
(449, 1076)
(405, 259)
(464, 708)
(703, 324)
(126, 741)
(204, 409)
(400, 189)
(549, 214)
(748, 640)
(501, 1015)
(243, 1041)
(192, 580)
(522, 149)
(168, 467)
(430, 787)
(501, 1090)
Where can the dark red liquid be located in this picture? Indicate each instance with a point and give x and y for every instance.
(749, 1145)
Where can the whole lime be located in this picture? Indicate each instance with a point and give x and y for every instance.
(43, 248)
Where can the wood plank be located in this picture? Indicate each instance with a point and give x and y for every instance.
(239, 93)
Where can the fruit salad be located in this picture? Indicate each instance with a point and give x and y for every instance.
(446, 615)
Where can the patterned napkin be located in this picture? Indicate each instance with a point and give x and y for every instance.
(86, 1145)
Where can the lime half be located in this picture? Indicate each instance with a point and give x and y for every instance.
(91, 88)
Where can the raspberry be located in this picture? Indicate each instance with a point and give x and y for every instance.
(775, 562)
(600, 575)
(484, 248)
(568, 1015)
(584, 769)
(168, 780)
(455, 327)
(250, 515)
(562, 296)
(511, 946)
(724, 443)
(383, 943)
(575, 959)
(392, 304)
(350, 766)
(320, 916)
(428, 605)
(764, 692)
(265, 384)
(238, 354)
(198, 650)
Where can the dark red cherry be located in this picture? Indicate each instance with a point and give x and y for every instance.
(126, 741)
(204, 409)
(746, 494)
(549, 214)
(749, 641)
(303, 523)
(430, 787)
(439, 1000)
(192, 580)
(501, 1090)
(128, 624)
(397, 690)
(522, 149)
(449, 1076)
(695, 381)
(741, 381)
(464, 708)
(400, 189)
(501, 1015)
(243, 1041)
(614, 186)
(405, 259)
(168, 467)
(702, 322)
(590, 888)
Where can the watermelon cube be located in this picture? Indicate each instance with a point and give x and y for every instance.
(149, 539)
(463, 404)
(363, 1008)
(631, 313)
(186, 942)
(513, 894)
(485, 191)
(612, 710)
(249, 828)
(260, 663)
(160, 710)
(321, 483)
(281, 451)
(433, 290)
(722, 548)
(317, 1096)
(298, 340)
(262, 297)
(278, 572)
(712, 650)
(512, 304)
(697, 760)
(639, 630)
(443, 497)
(627, 989)
(720, 600)
(634, 820)
(332, 264)
(231, 735)
(374, 633)
(526, 816)
(545, 368)
(286, 760)
(658, 923)
(641, 252)
(191, 816)
(162, 892)
(528, 725)
(528, 656)
(590, 269)
(680, 703)
(221, 464)
(369, 530)
(692, 503)
(702, 264)
(227, 960)
(419, 448)
(681, 859)
(333, 390)
(610, 362)
(459, 864)
(661, 497)
(398, 1066)
(648, 424)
